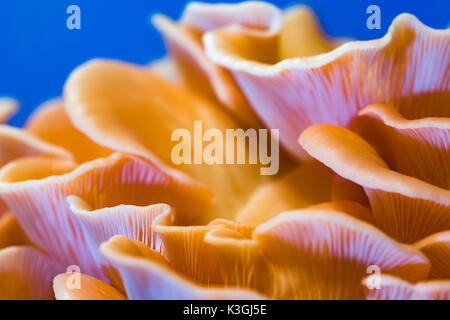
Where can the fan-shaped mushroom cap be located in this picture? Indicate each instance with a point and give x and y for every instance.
(197, 260)
(315, 253)
(417, 147)
(129, 109)
(406, 208)
(331, 87)
(184, 41)
(146, 275)
(115, 195)
(326, 254)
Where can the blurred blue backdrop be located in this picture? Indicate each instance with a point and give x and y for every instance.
(38, 52)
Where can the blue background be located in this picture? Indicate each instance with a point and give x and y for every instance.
(38, 52)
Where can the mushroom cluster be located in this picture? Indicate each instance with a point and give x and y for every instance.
(363, 185)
